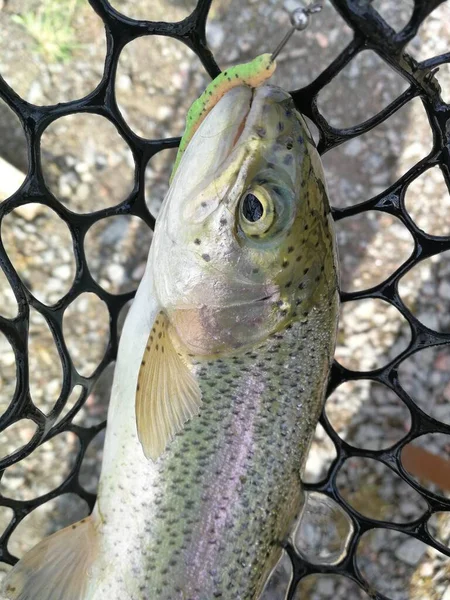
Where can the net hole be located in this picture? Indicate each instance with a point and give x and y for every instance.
(92, 462)
(45, 368)
(376, 492)
(13, 159)
(8, 379)
(6, 515)
(365, 166)
(157, 174)
(393, 563)
(16, 436)
(41, 252)
(43, 470)
(154, 100)
(320, 456)
(363, 88)
(279, 579)
(86, 332)
(87, 165)
(432, 38)
(94, 410)
(116, 248)
(439, 527)
(371, 332)
(428, 202)
(425, 376)
(71, 401)
(425, 290)
(323, 531)
(8, 303)
(373, 245)
(368, 415)
(56, 50)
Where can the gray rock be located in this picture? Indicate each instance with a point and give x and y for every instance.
(411, 551)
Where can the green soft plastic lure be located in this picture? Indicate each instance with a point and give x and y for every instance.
(252, 74)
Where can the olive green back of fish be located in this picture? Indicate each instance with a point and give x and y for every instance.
(253, 73)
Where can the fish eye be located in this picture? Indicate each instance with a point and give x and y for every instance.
(256, 212)
(252, 209)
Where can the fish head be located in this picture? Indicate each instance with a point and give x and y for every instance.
(243, 237)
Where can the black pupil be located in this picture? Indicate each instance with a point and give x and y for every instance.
(252, 208)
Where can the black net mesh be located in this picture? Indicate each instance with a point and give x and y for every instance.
(370, 32)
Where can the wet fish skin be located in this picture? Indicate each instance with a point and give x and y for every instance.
(207, 519)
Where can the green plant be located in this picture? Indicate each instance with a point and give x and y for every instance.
(51, 27)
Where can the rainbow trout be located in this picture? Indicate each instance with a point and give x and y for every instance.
(220, 378)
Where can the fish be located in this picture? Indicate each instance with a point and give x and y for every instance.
(221, 374)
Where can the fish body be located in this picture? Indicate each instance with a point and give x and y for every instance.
(242, 274)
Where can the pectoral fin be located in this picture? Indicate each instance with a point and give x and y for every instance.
(57, 568)
(167, 393)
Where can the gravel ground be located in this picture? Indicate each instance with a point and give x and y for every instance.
(88, 166)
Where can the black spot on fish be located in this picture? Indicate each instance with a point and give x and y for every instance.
(285, 263)
(206, 257)
(305, 270)
(288, 284)
(223, 221)
(280, 125)
(204, 204)
(157, 346)
(290, 249)
(298, 259)
(197, 241)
